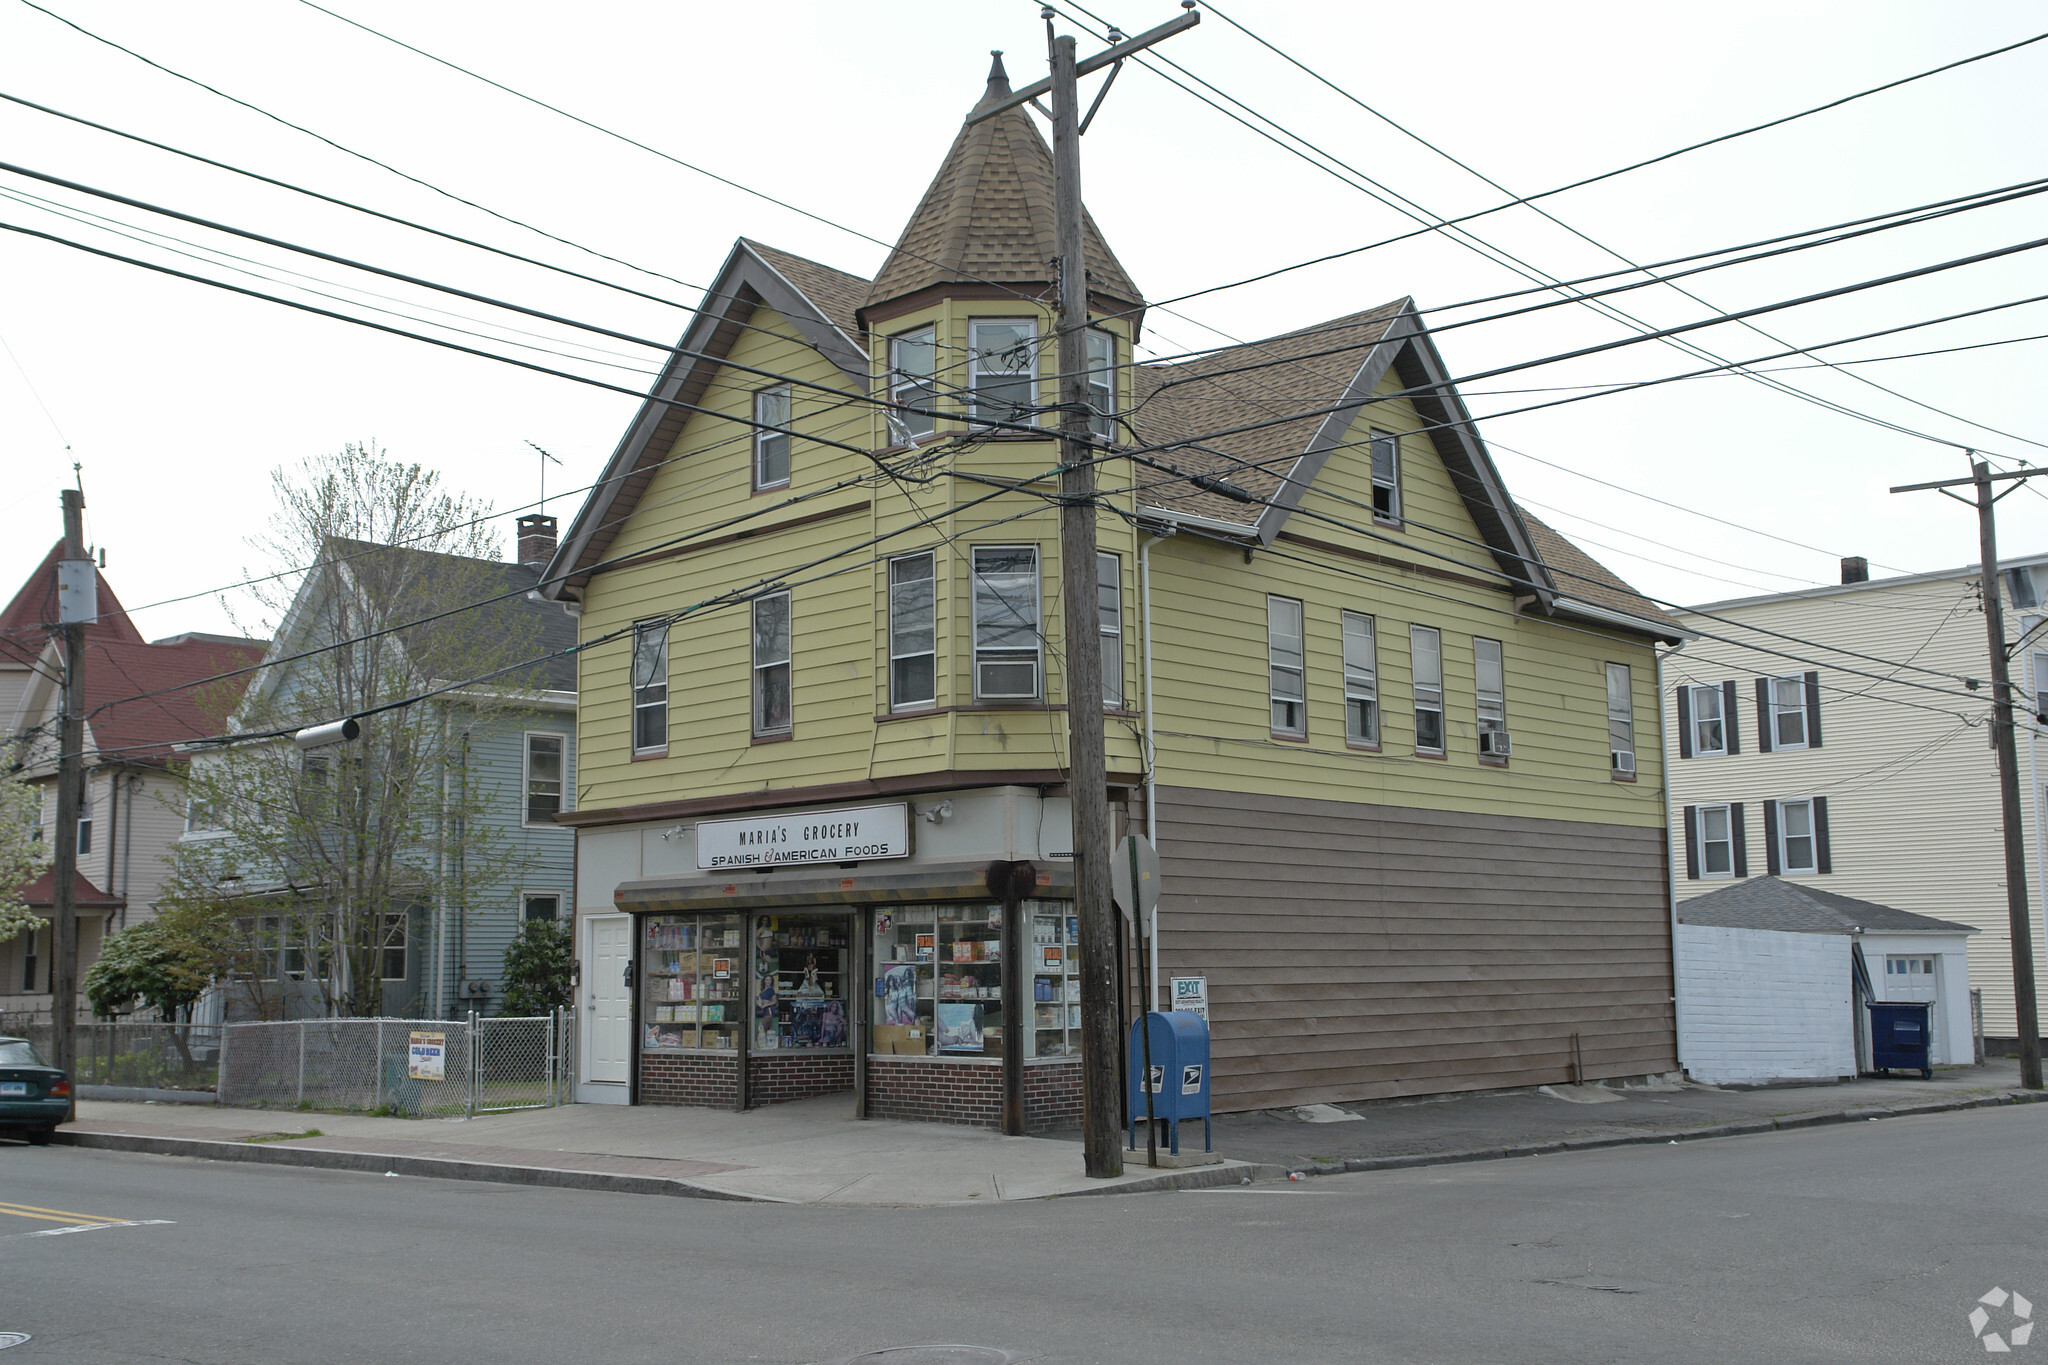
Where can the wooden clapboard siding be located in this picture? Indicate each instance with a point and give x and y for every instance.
(1913, 807)
(1361, 951)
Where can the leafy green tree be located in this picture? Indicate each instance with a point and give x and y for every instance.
(22, 855)
(148, 965)
(537, 968)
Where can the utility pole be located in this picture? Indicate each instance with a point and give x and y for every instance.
(77, 604)
(2016, 904)
(1088, 785)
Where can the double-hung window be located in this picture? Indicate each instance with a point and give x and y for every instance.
(1006, 639)
(1717, 841)
(1709, 728)
(771, 664)
(650, 686)
(1102, 383)
(85, 814)
(1490, 686)
(1361, 681)
(1621, 722)
(913, 632)
(771, 448)
(1426, 650)
(391, 947)
(1285, 666)
(1109, 608)
(1386, 476)
(543, 777)
(1797, 850)
(913, 383)
(1788, 712)
(1002, 371)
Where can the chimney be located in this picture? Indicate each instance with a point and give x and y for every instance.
(1855, 568)
(537, 542)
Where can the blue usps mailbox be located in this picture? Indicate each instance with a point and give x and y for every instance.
(1180, 1074)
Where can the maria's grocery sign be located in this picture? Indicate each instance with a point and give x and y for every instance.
(860, 834)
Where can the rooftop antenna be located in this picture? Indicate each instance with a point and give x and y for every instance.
(545, 460)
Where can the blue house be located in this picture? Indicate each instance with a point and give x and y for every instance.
(390, 874)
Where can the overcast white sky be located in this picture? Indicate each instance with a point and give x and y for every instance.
(179, 399)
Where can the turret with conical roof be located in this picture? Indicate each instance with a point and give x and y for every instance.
(986, 224)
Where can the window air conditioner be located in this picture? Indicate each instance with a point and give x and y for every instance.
(1006, 679)
(1493, 743)
(1623, 763)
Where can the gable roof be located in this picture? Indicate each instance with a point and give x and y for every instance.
(818, 301)
(30, 619)
(987, 217)
(143, 700)
(1792, 907)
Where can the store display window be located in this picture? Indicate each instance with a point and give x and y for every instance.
(800, 982)
(938, 980)
(693, 982)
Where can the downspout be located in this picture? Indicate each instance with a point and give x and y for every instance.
(441, 888)
(1151, 762)
(1670, 863)
(128, 846)
(461, 870)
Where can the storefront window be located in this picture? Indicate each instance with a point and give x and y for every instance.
(693, 975)
(939, 980)
(800, 979)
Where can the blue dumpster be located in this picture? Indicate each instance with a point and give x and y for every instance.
(1899, 1037)
(1180, 1074)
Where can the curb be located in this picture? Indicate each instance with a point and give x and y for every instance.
(438, 1168)
(1740, 1128)
(443, 1168)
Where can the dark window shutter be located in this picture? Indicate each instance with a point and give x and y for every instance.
(1763, 715)
(1736, 834)
(1823, 857)
(1813, 710)
(1771, 838)
(1684, 721)
(1731, 733)
(1692, 843)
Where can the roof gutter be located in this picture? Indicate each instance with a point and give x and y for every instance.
(1190, 521)
(1606, 616)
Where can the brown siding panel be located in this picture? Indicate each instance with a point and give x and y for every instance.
(1362, 952)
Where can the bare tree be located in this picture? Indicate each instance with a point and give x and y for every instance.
(326, 862)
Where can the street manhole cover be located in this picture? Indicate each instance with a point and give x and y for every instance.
(8, 1339)
(934, 1355)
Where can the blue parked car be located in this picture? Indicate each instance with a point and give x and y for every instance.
(34, 1096)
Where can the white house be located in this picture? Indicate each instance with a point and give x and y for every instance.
(1773, 976)
(1832, 737)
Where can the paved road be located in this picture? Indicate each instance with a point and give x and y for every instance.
(1856, 1243)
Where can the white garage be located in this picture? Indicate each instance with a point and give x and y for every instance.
(1773, 975)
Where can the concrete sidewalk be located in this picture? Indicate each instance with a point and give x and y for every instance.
(807, 1152)
(1494, 1124)
(815, 1152)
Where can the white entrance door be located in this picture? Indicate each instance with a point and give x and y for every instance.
(607, 951)
(1917, 978)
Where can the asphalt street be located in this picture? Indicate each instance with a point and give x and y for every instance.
(1864, 1242)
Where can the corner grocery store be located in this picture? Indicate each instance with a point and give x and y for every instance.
(756, 962)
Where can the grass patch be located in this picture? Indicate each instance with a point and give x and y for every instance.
(284, 1137)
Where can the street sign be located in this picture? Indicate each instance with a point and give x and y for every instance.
(1191, 994)
(1147, 879)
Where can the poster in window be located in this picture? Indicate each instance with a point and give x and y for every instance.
(959, 1027)
(897, 987)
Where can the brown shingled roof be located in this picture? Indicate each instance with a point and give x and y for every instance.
(1579, 575)
(988, 216)
(836, 293)
(1183, 402)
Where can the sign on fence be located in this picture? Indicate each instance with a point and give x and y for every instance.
(427, 1057)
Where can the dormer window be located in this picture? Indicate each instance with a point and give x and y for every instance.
(913, 382)
(1003, 369)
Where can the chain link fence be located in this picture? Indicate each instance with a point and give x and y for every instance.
(418, 1068)
(157, 1056)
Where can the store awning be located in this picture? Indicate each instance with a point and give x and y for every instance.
(756, 889)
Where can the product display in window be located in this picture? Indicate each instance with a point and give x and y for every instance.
(692, 982)
(800, 966)
(938, 979)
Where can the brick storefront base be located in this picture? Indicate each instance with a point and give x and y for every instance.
(690, 1078)
(774, 1077)
(969, 1091)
